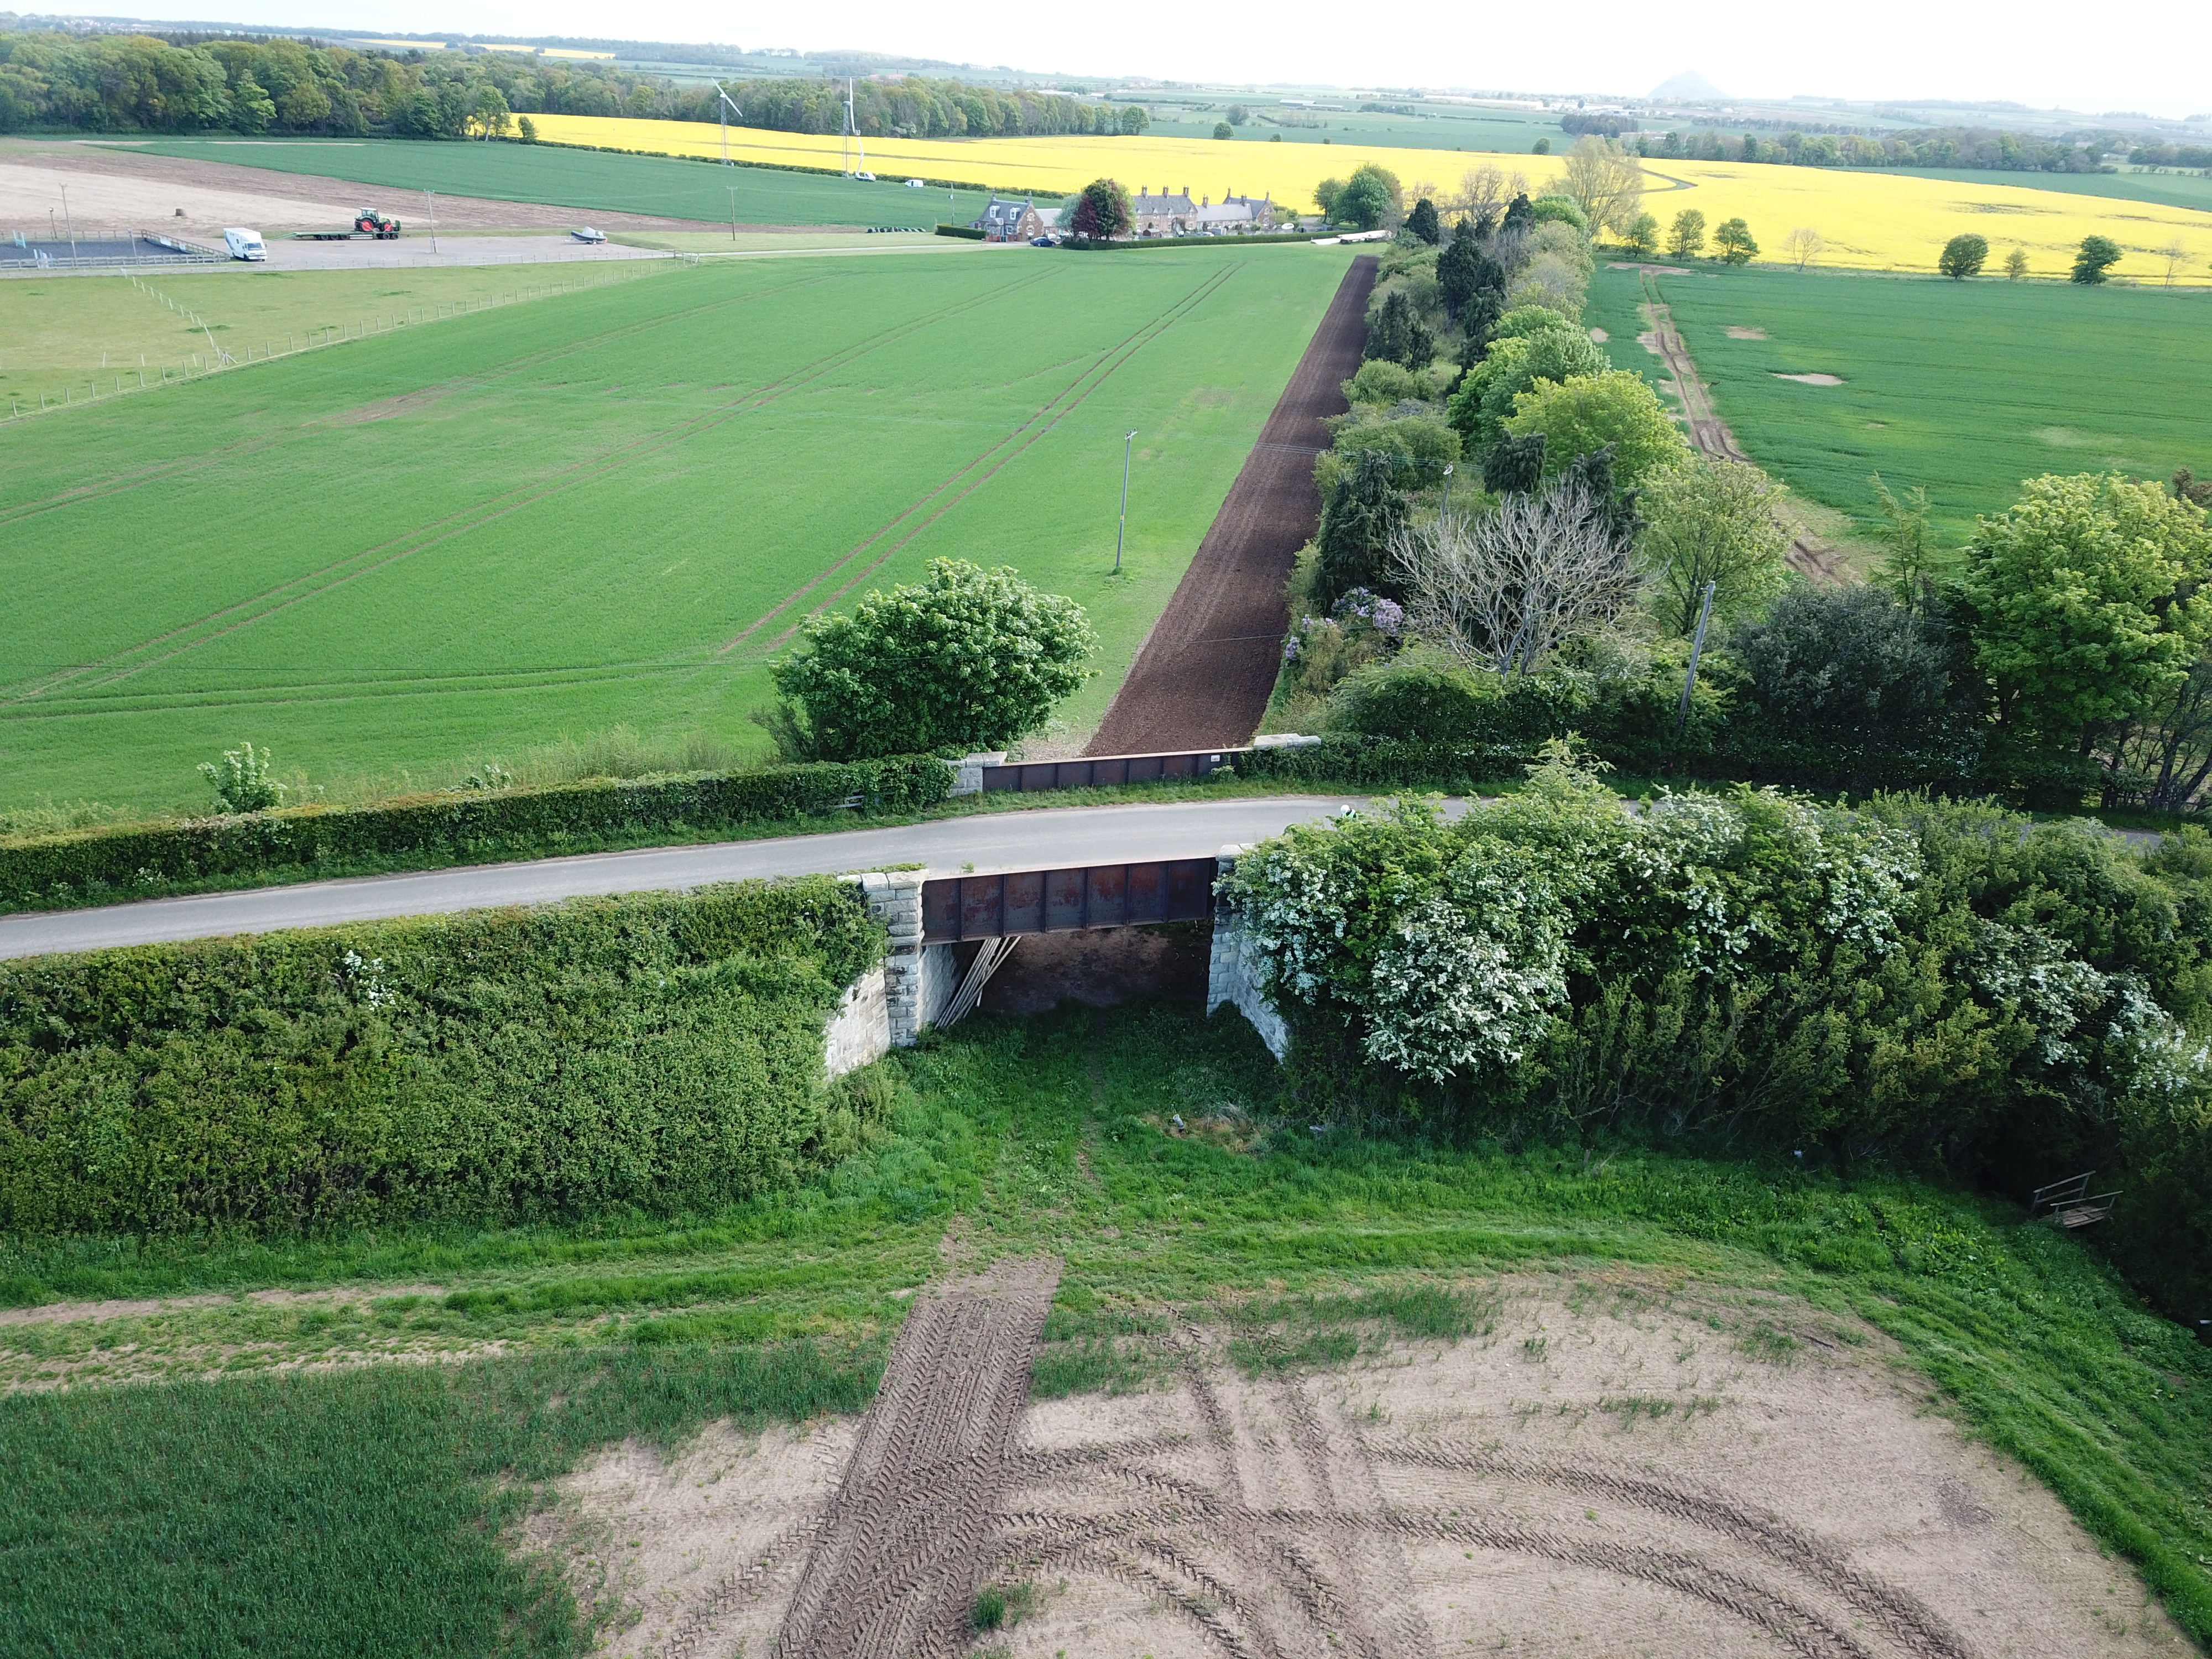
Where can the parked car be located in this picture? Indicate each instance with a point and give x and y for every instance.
(1043, 241)
(916, 184)
(586, 233)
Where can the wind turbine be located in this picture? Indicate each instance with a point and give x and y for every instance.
(724, 109)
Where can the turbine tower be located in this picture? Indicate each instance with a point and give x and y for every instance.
(724, 109)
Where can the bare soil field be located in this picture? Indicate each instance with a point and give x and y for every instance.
(115, 187)
(1606, 1470)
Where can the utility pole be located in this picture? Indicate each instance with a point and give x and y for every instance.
(431, 200)
(732, 189)
(1696, 649)
(1123, 530)
(1448, 475)
(70, 222)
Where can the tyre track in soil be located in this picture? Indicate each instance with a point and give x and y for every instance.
(1162, 1545)
(205, 630)
(1710, 434)
(895, 1565)
(1206, 670)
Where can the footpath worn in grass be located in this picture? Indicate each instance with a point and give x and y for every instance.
(591, 180)
(1965, 387)
(613, 506)
(1055, 1135)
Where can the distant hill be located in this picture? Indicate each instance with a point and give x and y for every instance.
(1688, 84)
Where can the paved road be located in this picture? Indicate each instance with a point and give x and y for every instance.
(992, 840)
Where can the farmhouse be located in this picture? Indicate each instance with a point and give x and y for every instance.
(1010, 221)
(1177, 214)
(1163, 215)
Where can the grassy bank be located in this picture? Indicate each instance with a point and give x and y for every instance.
(1048, 1135)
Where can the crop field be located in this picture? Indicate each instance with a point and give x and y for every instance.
(587, 181)
(2168, 186)
(1762, 1373)
(1965, 388)
(614, 506)
(1868, 221)
(95, 335)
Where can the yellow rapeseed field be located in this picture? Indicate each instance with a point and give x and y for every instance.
(1865, 220)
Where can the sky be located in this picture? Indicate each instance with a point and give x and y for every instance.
(2149, 57)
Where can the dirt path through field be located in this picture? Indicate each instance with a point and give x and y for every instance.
(1710, 434)
(1205, 672)
(893, 1571)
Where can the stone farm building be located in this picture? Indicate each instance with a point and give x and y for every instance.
(1011, 221)
(1177, 214)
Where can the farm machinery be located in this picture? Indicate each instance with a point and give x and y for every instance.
(368, 225)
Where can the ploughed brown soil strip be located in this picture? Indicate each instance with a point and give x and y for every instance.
(893, 1571)
(1204, 675)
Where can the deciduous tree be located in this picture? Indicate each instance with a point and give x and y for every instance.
(2084, 604)
(1605, 182)
(1964, 256)
(1586, 413)
(1503, 590)
(2015, 264)
(1711, 521)
(965, 659)
(1734, 240)
(1102, 211)
(1641, 237)
(1686, 236)
(2096, 255)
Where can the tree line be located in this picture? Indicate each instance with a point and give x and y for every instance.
(1977, 148)
(188, 82)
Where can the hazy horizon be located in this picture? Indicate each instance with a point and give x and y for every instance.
(1885, 51)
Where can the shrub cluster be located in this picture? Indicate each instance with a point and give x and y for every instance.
(1911, 979)
(466, 826)
(654, 1053)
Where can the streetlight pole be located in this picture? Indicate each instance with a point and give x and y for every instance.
(1123, 530)
(70, 222)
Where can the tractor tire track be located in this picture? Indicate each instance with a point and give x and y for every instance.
(1006, 449)
(339, 573)
(1710, 434)
(893, 1569)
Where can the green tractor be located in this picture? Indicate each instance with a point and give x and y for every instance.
(369, 222)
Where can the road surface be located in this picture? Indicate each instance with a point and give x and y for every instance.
(1046, 838)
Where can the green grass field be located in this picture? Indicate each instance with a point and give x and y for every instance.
(612, 505)
(2172, 189)
(92, 334)
(591, 180)
(1965, 388)
(351, 1510)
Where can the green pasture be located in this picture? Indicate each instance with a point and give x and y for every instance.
(94, 336)
(1966, 388)
(484, 532)
(2170, 188)
(594, 181)
(237, 1501)
(1432, 127)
